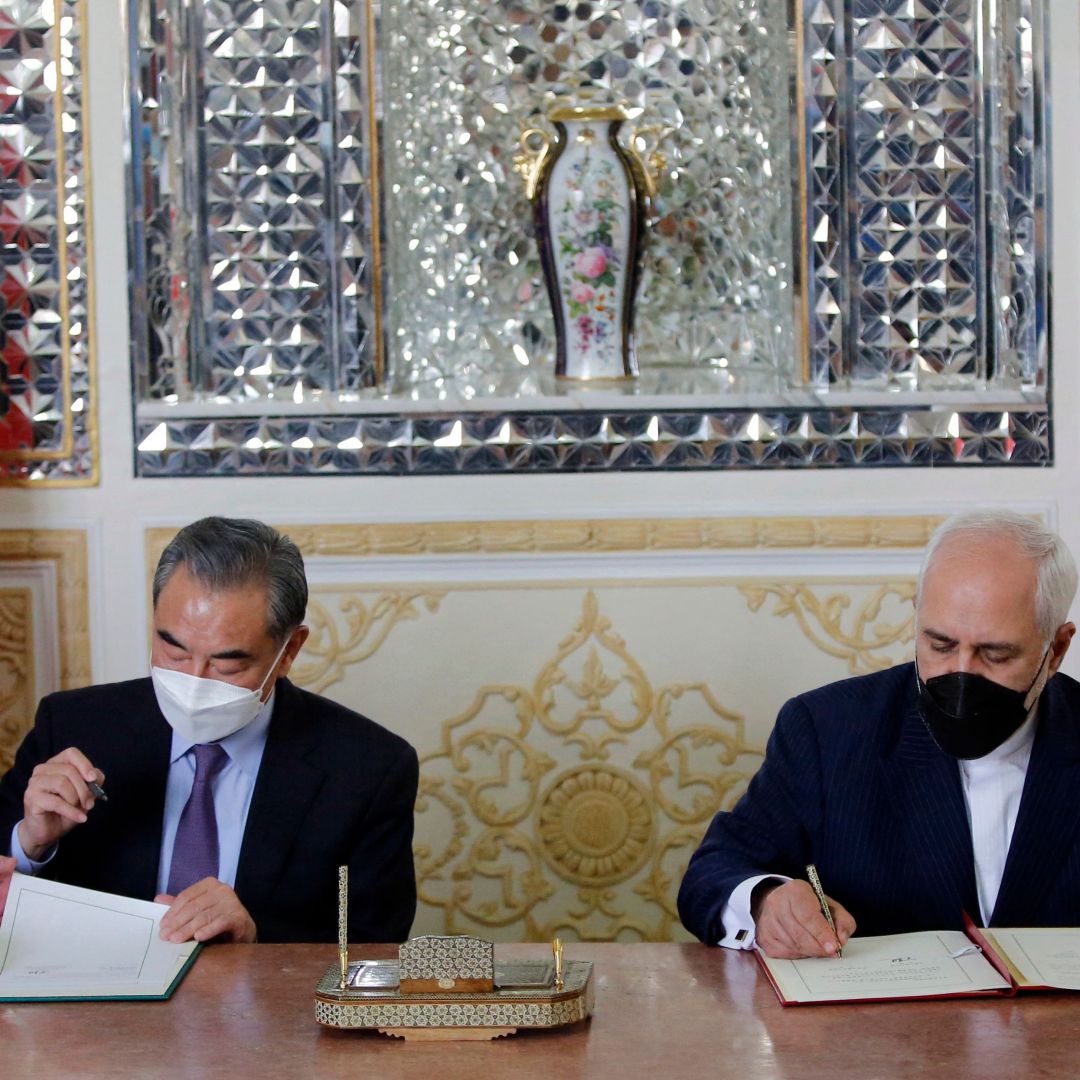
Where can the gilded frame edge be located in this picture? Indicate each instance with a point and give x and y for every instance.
(66, 550)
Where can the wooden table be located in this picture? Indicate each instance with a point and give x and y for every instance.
(661, 1010)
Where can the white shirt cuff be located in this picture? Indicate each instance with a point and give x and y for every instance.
(739, 929)
(23, 863)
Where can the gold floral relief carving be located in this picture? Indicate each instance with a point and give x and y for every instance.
(666, 869)
(572, 805)
(595, 825)
(354, 632)
(508, 864)
(496, 772)
(65, 550)
(610, 704)
(16, 671)
(864, 634)
(693, 768)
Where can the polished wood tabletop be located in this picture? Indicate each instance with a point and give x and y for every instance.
(661, 1010)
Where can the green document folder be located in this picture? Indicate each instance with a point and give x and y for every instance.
(62, 943)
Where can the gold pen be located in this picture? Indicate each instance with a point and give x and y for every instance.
(819, 892)
(343, 924)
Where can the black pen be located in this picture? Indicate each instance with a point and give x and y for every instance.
(819, 892)
(97, 791)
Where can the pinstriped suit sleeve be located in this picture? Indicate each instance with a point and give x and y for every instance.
(768, 832)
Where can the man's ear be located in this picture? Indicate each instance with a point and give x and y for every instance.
(296, 643)
(1060, 645)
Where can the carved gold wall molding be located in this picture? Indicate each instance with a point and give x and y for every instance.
(671, 534)
(821, 619)
(538, 787)
(16, 669)
(365, 628)
(904, 532)
(65, 549)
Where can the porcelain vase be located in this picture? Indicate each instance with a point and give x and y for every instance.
(590, 199)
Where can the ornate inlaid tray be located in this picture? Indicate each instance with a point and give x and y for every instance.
(453, 988)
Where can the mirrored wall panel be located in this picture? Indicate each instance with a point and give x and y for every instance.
(47, 407)
(707, 85)
(359, 242)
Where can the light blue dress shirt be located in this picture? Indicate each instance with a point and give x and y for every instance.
(232, 787)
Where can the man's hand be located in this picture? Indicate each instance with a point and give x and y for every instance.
(7, 868)
(206, 910)
(790, 924)
(56, 800)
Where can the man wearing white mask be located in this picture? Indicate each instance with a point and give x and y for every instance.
(229, 793)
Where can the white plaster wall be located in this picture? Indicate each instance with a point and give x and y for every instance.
(116, 512)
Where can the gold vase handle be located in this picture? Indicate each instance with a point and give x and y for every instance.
(535, 144)
(650, 162)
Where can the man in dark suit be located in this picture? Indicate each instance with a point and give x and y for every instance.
(927, 790)
(230, 794)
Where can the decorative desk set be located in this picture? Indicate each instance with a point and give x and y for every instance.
(449, 988)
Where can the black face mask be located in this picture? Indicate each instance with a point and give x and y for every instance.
(968, 715)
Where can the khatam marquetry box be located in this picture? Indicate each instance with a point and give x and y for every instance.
(454, 988)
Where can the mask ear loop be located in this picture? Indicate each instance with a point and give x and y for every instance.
(1029, 705)
(273, 666)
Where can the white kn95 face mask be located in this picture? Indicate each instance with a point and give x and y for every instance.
(204, 710)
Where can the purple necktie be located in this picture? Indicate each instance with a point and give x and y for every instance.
(195, 850)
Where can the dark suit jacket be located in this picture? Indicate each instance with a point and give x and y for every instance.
(333, 788)
(853, 782)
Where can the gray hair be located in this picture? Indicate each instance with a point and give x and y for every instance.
(1056, 581)
(228, 553)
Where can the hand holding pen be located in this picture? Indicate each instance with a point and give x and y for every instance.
(789, 921)
(59, 796)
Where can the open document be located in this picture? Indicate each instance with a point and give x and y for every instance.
(1039, 958)
(59, 942)
(933, 964)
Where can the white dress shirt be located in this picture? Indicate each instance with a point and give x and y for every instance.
(992, 787)
(232, 788)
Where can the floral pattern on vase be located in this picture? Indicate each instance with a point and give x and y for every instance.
(590, 210)
(591, 269)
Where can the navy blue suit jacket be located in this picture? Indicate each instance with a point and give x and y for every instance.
(333, 788)
(853, 782)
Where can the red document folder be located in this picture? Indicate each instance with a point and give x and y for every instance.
(932, 965)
